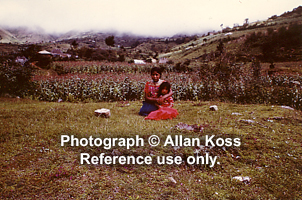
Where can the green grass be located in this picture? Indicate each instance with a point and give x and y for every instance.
(33, 165)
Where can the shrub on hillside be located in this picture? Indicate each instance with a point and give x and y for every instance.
(16, 79)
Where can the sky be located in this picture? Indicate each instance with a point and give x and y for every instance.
(142, 17)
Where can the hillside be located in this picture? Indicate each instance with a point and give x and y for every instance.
(234, 38)
(27, 35)
(7, 37)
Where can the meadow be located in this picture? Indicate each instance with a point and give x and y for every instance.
(34, 165)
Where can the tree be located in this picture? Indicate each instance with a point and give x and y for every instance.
(31, 52)
(85, 53)
(121, 57)
(16, 79)
(135, 44)
(220, 47)
(110, 41)
(74, 44)
(246, 21)
(256, 68)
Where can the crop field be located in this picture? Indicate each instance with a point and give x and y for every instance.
(98, 82)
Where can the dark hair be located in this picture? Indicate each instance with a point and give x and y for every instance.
(156, 69)
(162, 86)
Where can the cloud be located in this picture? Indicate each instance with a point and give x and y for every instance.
(146, 17)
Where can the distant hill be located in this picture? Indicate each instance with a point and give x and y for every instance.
(234, 39)
(7, 37)
(26, 35)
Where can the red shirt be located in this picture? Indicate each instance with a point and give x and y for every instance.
(151, 89)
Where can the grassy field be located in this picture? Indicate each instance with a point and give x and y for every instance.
(35, 166)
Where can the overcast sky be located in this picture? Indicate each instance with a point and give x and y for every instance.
(144, 17)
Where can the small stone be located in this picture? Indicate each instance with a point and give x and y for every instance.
(244, 179)
(277, 118)
(287, 107)
(116, 152)
(248, 121)
(102, 112)
(213, 108)
(173, 181)
(296, 82)
(235, 113)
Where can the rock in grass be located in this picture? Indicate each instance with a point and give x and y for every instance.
(172, 180)
(116, 152)
(296, 82)
(235, 113)
(247, 121)
(213, 108)
(287, 107)
(102, 112)
(244, 179)
(185, 127)
(276, 118)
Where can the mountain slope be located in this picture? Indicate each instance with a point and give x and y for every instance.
(27, 35)
(7, 37)
(234, 38)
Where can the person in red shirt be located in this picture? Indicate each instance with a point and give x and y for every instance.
(165, 110)
(151, 93)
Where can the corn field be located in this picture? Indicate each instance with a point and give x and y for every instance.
(100, 81)
(110, 83)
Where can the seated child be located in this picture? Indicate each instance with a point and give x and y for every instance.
(165, 110)
(163, 89)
